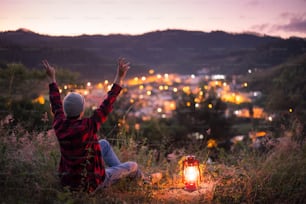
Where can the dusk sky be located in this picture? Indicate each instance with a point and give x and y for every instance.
(75, 17)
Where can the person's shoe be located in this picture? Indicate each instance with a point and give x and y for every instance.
(156, 177)
(147, 180)
(153, 178)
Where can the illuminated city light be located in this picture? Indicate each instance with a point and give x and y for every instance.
(172, 106)
(177, 79)
(196, 90)
(257, 113)
(40, 99)
(238, 99)
(148, 85)
(149, 88)
(186, 89)
(218, 77)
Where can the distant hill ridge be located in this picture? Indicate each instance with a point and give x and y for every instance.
(185, 52)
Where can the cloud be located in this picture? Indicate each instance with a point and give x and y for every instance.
(292, 23)
(261, 27)
(296, 24)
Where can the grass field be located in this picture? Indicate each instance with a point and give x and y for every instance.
(28, 167)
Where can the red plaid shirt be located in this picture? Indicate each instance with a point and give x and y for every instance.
(81, 166)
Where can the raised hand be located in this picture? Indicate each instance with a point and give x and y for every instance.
(49, 70)
(122, 69)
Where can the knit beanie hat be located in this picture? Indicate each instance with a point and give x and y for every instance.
(73, 104)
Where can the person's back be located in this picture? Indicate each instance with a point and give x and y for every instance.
(82, 165)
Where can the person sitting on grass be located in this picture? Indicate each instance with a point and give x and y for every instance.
(83, 157)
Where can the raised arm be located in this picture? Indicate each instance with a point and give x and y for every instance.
(106, 106)
(54, 94)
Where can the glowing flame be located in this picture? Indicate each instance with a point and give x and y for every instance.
(191, 174)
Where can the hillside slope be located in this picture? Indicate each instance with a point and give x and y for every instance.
(177, 51)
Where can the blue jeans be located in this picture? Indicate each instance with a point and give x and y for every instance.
(116, 170)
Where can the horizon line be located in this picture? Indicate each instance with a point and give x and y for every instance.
(152, 31)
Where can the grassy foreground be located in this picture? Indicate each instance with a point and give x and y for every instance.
(28, 167)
